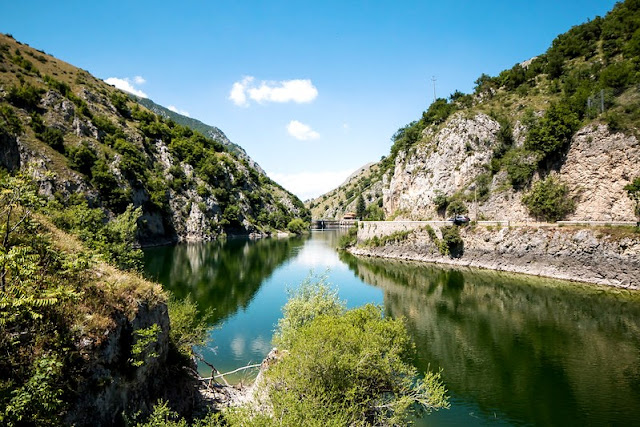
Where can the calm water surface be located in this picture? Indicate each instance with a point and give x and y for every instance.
(513, 350)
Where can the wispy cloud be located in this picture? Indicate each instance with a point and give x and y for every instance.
(127, 85)
(301, 131)
(298, 90)
(307, 185)
(176, 110)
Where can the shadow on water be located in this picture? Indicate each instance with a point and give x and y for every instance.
(536, 351)
(223, 275)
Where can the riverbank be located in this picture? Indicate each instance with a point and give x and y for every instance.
(605, 256)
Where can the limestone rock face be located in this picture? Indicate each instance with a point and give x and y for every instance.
(598, 166)
(449, 161)
(112, 385)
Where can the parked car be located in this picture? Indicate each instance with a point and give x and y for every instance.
(459, 219)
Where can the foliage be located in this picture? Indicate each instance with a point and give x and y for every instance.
(457, 207)
(549, 199)
(520, 165)
(374, 213)
(9, 122)
(115, 240)
(451, 242)
(360, 207)
(297, 226)
(54, 138)
(395, 237)
(189, 327)
(553, 132)
(633, 190)
(82, 158)
(346, 367)
(25, 96)
(441, 201)
(349, 239)
(39, 400)
(438, 112)
(142, 350)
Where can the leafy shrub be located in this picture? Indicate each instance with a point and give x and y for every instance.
(552, 133)
(297, 226)
(349, 239)
(549, 200)
(457, 207)
(82, 158)
(633, 190)
(9, 121)
(520, 165)
(54, 138)
(25, 96)
(352, 367)
(451, 242)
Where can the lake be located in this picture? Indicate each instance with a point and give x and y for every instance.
(513, 349)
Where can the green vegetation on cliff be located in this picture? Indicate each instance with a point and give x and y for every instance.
(97, 141)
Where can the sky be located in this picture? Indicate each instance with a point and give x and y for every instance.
(311, 90)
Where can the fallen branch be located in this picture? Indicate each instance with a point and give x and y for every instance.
(231, 372)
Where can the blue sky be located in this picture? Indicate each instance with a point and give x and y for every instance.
(320, 87)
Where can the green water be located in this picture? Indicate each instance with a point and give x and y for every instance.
(513, 350)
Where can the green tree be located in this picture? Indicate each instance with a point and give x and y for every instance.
(457, 207)
(360, 207)
(633, 190)
(553, 132)
(549, 199)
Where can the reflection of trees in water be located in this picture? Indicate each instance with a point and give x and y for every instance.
(543, 352)
(221, 275)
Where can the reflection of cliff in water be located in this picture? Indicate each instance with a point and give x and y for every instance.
(529, 346)
(225, 274)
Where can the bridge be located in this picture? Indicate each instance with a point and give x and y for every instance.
(332, 224)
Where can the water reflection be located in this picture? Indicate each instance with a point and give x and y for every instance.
(535, 351)
(223, 275)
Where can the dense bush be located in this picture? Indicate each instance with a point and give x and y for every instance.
(451, 242)
(457, 207)
(54, 138)
(346, 367)
(297, 226)
(552, 133)
(520, 165)
(25, 96)
(82, 158)
(549, 200)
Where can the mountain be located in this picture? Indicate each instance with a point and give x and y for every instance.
(553, 137)
(197, 126)
(77, 135)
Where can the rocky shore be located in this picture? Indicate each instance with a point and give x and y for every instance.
(605, 256)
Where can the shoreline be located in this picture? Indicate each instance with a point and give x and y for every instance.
(576, 255)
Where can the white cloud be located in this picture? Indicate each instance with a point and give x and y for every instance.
(307, 185)
(238, 95)
(139, 80)
(126, 85)
(301, 131)
(176, 110)
(298, 90)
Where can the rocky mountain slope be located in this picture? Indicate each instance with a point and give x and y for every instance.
(79, 135)
(554, 137)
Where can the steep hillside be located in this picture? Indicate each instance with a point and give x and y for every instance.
(79, 135)
(554, 137)
(197, 126)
